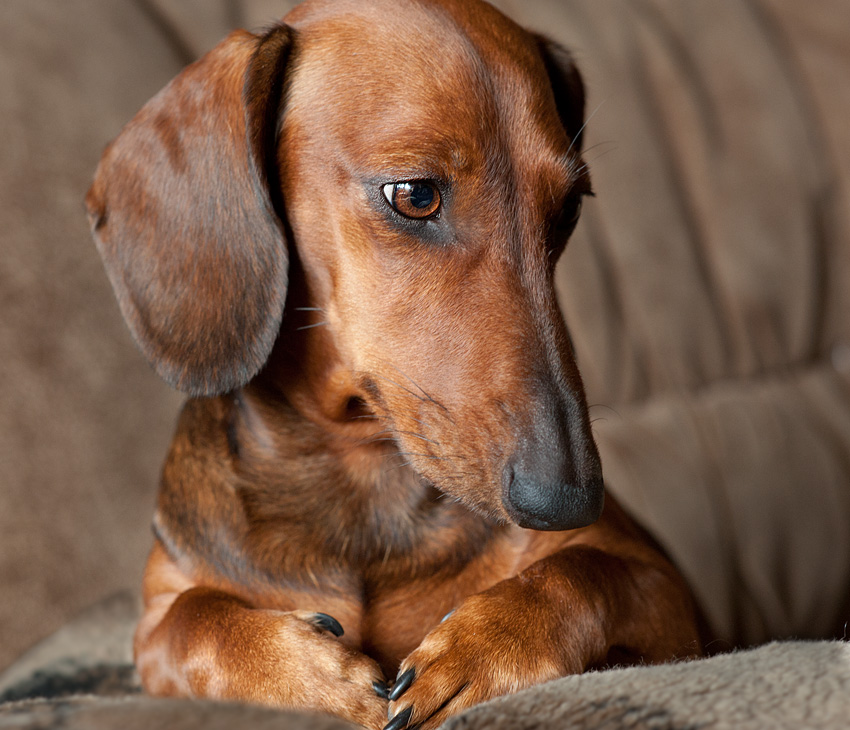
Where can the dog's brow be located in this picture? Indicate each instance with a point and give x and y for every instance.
(580, 179)
(574, 172)
(396, 162)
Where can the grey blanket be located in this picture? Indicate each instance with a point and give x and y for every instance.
(82, 677)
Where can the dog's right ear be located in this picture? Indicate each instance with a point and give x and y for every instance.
(184, 210)
(567, 87)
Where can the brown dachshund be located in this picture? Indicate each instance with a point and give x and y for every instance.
(403, 449)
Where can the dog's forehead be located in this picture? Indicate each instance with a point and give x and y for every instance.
(425, 18)
(414, 81)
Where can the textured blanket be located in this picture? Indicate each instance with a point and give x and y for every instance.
(82, 677)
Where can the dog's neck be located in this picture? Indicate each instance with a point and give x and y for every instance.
(310, 490)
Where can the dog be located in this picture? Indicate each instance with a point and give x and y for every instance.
(339, 238)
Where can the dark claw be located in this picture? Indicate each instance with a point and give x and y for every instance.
(400, 720)
(402, 683)
(328, 623)
(381, 689)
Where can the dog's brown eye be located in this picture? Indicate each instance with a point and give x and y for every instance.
(568, 218)
(572, 211)
(417, 199)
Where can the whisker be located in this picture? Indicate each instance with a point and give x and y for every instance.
(403, 465)
(424, 399)
(309, 309)
(586, 122)
(606, 407)
(399, 385)
(385, 432)
(458, 475)
(401, 372)
(392, 432)
(587, 163)
(598, 144)
(310, 326)
(419, 436)
(379, 440)
(424, 456)
(427, 396)
(445, 457)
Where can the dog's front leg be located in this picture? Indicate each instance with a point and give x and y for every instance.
(578, 608)
(207, 643)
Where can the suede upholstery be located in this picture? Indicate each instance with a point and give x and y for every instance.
(707, 289)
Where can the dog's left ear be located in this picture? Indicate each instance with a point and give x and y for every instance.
(567, 87)
(186, 215)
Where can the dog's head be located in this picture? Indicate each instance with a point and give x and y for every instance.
(415, 166)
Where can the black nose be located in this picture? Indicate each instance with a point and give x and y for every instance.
(553, 505)
(552, 480)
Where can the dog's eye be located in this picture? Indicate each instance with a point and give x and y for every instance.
(418, 199)
(568, 219)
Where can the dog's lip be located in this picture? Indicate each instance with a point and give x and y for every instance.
(436, 497)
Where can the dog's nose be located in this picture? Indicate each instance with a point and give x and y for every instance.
(552, 479)
(552, 505)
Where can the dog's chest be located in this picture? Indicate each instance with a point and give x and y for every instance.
(394, 612)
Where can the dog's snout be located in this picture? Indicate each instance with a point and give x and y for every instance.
(553, 481)
(552, 504)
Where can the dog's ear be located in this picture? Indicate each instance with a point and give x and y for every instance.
(184, 210)
(567, 87)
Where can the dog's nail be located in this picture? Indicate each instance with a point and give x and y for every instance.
(400, 720)
(381, 689)
(402, 683)
(447, 615)
(328, 623)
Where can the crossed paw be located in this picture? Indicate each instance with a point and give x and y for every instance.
(478, 652)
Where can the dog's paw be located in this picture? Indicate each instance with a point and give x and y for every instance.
(325, 675)
(484, 649)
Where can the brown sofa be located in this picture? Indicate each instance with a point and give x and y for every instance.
(707, 290)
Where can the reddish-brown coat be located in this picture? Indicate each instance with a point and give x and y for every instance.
(355, 454)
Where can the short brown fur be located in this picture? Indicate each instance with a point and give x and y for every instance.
(408, 436)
